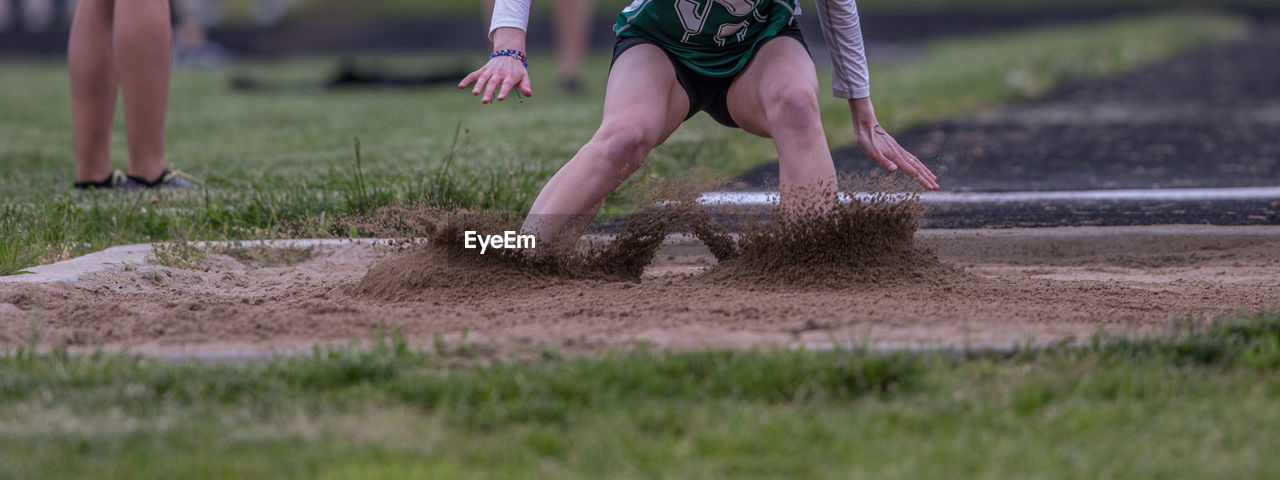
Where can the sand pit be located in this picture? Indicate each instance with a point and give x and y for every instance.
(989, 287)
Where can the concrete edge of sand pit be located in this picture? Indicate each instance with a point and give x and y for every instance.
(216, 356)
(231, 354)
(69, 271)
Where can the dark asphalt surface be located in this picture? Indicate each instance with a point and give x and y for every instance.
(1102, 214)
(1209, 118)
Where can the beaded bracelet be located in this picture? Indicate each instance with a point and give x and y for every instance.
(510, 53)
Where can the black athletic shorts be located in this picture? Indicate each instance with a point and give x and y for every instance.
(707, 94)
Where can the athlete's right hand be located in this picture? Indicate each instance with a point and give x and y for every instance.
(502, 74)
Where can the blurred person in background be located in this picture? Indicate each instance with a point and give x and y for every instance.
(6, 15)
(571, 21)
(121, 46)
(572, 30)
(31, 15)
(192, 46)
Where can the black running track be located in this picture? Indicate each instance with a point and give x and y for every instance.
(1206, 119)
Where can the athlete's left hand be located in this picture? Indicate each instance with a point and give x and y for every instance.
(883, 149)
(501, 74)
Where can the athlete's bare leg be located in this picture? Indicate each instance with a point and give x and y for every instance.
(142, 42)
(776, 97)
(119, 44)
(643, 105)
(91, 64)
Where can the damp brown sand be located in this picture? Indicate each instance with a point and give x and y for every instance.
(994, 288)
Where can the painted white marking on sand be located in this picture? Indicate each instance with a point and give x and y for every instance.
(1145, 194)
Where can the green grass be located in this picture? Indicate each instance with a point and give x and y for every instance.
(16, 255)
(286, 165)
(1198, 403)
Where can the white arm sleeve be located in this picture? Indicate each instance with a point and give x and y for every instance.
(840, 28)
(510, 13)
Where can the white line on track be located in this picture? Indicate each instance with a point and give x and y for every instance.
(1150, 194)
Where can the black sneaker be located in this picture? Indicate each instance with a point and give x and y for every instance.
(572, 86)
(117, 180)
(170, 179)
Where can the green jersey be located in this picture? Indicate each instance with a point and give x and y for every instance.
(712, 37)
